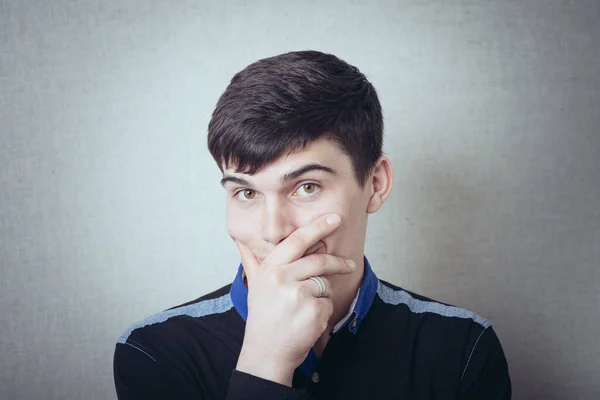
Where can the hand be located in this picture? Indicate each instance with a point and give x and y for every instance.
(285, 314)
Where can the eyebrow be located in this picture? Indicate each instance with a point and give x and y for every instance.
(285, 178)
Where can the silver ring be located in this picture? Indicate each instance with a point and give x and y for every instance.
(322, 287)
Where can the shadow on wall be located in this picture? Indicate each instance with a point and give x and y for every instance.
(461, 247)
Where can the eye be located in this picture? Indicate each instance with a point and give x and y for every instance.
(247, 194)
(309, 188)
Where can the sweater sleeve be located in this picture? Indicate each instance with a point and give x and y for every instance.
(140, 375)
(486, 371)
(246, 386)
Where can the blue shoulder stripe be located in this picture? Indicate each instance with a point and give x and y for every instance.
(395, 297)
(203, 308)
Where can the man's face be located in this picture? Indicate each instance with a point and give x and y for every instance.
(267, 209)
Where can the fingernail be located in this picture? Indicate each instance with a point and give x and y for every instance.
(333, 219)
(351, 263)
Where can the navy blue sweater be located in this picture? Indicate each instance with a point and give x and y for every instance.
(394, 345)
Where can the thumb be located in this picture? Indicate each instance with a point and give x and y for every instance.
(249, 261)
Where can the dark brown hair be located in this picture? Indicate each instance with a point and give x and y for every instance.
(278, 105)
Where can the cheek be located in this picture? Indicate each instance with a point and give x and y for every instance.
(354, 223)
(350, 214)
(239, 227)
(346, 209)
(235, 232)
(339, 203)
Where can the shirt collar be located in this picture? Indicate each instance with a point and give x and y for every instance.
(357, 313)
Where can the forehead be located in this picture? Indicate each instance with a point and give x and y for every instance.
(322, 151)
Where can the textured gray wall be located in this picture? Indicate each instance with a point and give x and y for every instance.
(110, 208)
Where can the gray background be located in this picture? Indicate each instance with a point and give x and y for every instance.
(110, 207)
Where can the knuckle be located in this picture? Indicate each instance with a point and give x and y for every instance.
(320, 260)
(329, 309)
(277, 277)
(298, 241)
(294, 296)
(302, 291)
(315, 308)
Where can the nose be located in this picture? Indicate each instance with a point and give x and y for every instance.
(277, 223)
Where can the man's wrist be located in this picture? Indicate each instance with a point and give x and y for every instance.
(272, 370)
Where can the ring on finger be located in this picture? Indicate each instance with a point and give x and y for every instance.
(321, 283)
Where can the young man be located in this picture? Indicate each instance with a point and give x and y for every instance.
(298, 138)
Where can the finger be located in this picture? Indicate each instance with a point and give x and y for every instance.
(249, 261)
(295, 245)
(324, 309)
(320, 264)
(314, 289)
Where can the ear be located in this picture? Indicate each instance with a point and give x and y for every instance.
(380, 182)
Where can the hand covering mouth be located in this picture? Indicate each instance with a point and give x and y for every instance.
(311, 250)
(314, 248)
